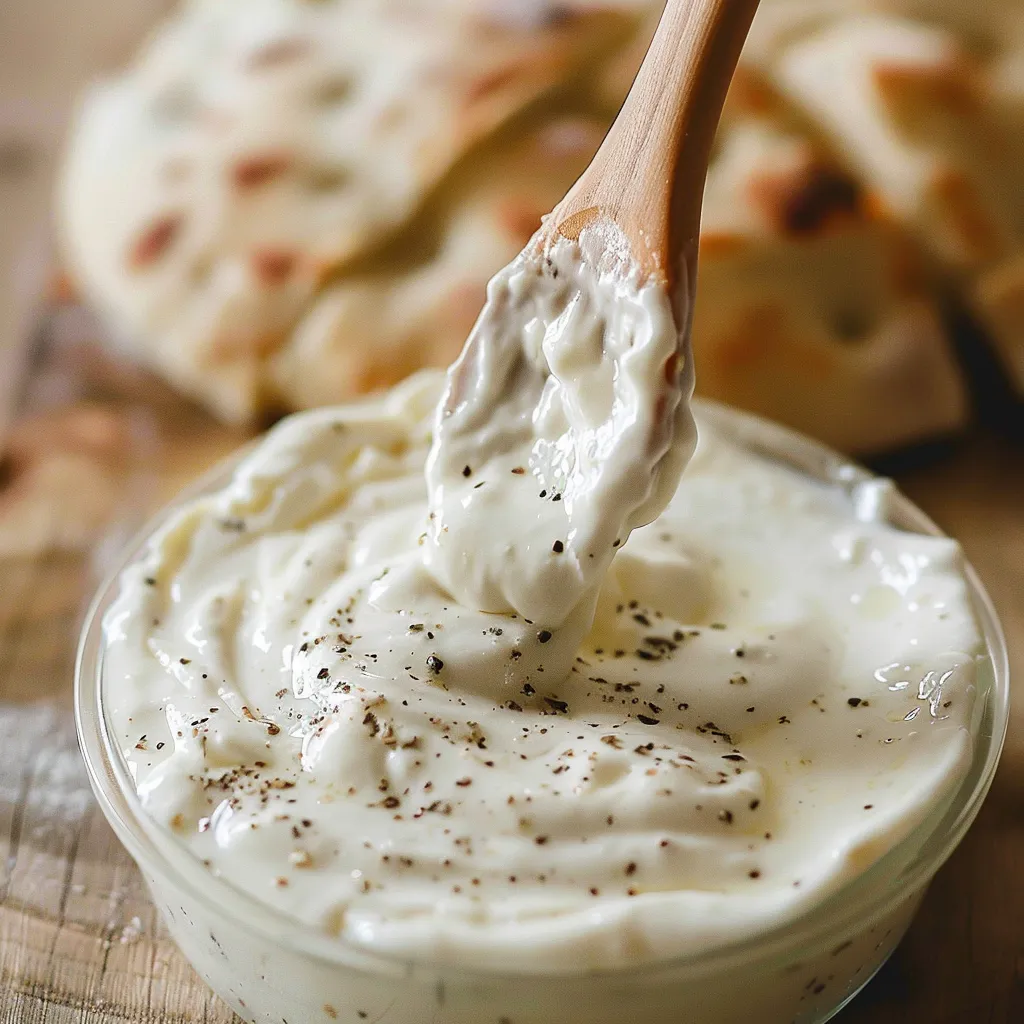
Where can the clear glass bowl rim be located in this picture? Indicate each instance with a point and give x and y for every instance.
(853, 907)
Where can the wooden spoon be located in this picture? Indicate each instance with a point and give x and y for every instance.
(571, 395)
(648, 176)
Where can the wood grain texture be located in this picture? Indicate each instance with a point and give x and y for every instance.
(79, 939)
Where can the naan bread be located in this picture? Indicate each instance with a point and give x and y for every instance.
(257, 146)
(285, 203)
(931, 114)
(812, 305)
(369, 330)
(908, 107)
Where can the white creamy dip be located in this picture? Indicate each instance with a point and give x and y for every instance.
(776, 687)
(564, 426)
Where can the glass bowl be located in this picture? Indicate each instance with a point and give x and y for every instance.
(273, 970)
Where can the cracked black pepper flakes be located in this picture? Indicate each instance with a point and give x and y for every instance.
(544, 636)
(434, 663)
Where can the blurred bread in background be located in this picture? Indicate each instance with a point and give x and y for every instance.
(61, 477)
(813, 306)
(415, 302)
(282, 204)
(932, 119)
(258, 148)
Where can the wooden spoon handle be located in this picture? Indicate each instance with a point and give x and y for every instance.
(648, 176)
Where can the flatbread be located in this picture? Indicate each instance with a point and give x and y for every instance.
(930, 112)
(813, 307)
(369, 330)
(285, 204)
(257, 146)
(907, 105)
(997, 297)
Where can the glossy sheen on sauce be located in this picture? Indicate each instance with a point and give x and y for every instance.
(777, 686)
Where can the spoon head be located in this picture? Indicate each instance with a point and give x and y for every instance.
(564, 426)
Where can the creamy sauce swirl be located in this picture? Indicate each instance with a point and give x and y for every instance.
(775, 687)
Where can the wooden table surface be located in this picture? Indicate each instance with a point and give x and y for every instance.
(79, 941)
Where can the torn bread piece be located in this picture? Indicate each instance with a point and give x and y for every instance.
(258, 146)
(908, 106)
(369, 330)
(813, 306)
